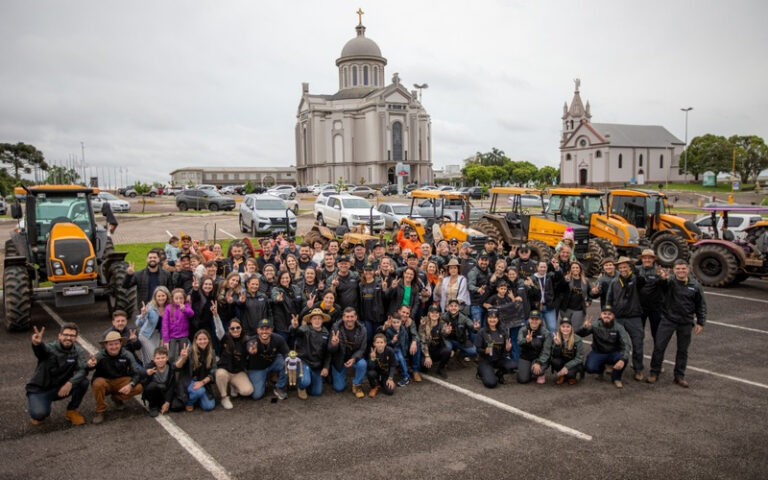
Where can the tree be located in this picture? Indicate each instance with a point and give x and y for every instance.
(548, 175)
(22, 157)
(494, 157)
(476, 173)
(523, 172)
(751, 156)
(58, 175)
(708, 152)
(249, 187)
(142, 189)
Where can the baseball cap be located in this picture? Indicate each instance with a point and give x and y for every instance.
(534, 314)
(344, 258)
(265, 323)
(434, 308)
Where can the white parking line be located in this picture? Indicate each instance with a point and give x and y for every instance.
(227, 233)
(736, 326)
(709, 372)
(187, 443)
(510, 409)
(169, 233)
(735, 296)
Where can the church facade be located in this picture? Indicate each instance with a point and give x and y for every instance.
(603, 154)
(361, 132)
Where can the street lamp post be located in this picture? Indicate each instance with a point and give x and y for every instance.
(685, 159)
(420, 88)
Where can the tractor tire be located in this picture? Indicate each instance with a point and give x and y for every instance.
(668, 247)
(714, 266)
(539, 250)
(592, 265)
(489, 229)
(17, 298)
(10, 249)
(608, 249)
(120, 298)
(312, 236)
(740, 277)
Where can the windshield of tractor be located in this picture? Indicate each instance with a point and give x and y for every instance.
(50, 208)
(575, 208)
(651, 204)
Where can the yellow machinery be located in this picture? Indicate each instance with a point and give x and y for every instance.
(670, 236)
(451, 226)
(57, 240)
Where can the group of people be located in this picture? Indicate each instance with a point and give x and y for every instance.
(213, 326)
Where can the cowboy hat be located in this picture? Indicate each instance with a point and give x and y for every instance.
(112, 336)
(648, 253)
(316, 311)
(624, 260)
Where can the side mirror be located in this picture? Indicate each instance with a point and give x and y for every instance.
(16, 211)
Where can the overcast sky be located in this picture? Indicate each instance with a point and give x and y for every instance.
(156, 85)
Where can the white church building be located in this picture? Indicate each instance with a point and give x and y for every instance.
(602, 154)
(361, 132)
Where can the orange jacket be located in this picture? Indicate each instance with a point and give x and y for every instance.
(414, 246)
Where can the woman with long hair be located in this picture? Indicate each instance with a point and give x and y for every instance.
(453, 286)
(284, 304)
(574, 304)
(292, 266)
(567, 357)
(229, 292)
(200, 373)
(149, 323)
(231, 377)
(404, 291)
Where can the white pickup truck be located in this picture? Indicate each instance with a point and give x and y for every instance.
(347, 210)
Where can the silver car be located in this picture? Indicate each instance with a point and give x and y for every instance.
(265, 214)
(98, 201)
(394, 213)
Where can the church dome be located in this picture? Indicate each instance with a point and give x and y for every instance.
(360, 46)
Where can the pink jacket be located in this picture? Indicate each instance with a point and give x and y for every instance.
(176, 324)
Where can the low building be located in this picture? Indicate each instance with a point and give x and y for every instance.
(447, 173)
(220, 176)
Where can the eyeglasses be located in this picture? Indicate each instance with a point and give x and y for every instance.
(69, 335)
(235, 328)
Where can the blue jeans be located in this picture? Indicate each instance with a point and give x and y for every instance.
(477, 313)
(466, 350)
(311, 380)
(39, 404)
(596, 363)
(340, 376)
(199, 395)
(259, 377)
(416, 358)
(403, 365)
(550, 318)
(514, 354)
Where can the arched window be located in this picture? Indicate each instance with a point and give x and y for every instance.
(375, 76)
(346, 77)
(567, 156)
(621, 159)
(571, 124)
(397, 142)
(365, 75)
(598, 154)
(661, 161)
(640, 161)
(354, 75)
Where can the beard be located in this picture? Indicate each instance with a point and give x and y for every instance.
(151, 264)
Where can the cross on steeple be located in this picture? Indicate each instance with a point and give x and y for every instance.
(360, 13)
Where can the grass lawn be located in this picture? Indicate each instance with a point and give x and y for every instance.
(720, 188)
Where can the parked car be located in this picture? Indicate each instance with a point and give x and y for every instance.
(283, 189)
(393, 214)
(529, 200)
(131, 192)
(98, 201)
(3, 207)
(206, 187)
(265, 213)
(446, 188)
(475, 193)
(173, 191)
(227, 190)
(347, 210)
(302, 189)
(365, 192)
(198, 199)
(292, 203)
(390, 189)
(737, 223)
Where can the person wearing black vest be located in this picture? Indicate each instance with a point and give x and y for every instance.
(345, 284)
(624, 298)
(652, 293)
(524, 264)
(312, 347)
(493, 347)
(535, 346)
(610, 346)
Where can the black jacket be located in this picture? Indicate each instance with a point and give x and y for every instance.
(252, 310)
(624, 296)
(552, 283)
(395, 297)
(169, 387)
(234, 354)
(608, 339)
(540, 346)
(371, 302)
(476, 279)
(57, 366)
(123, 364)
(347, 292)
(496, 339)
(140, 280)
(352, 344)
(282, 310)
(203, 318)
(683, 300)
(652, 292)
(384, 363)
(266, 354)
(312, 346)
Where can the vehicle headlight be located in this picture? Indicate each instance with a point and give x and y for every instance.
(89, 266)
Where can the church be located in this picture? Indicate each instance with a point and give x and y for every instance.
(361, 132)
(602, 154)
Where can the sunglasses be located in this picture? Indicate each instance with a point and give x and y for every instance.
(235, 328)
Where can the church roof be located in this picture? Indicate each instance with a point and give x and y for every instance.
(349, 93)
(360, 46)
(623, 135)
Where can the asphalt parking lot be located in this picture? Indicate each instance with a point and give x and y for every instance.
(715, 429)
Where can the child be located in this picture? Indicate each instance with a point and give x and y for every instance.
(172, 250)
(175, 324)
(381, 367)
(567, 240)
(198, 269)
(159, 383)
(397, 339)
(501, 297)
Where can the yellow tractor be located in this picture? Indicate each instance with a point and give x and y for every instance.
(670, 236)
(450, 211)
(58, 241)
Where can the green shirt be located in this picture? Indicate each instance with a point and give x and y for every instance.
(406, 295)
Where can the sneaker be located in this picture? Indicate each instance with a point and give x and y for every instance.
(358, 391)
(75, 417)
(36, 422)
(639, 376)
(226, 403)
(119, 404)
(374, 391)
(416, 377)
(541, 380)
(618, 384)
(280, 393)
(153, 412)
(302, 393)
(189, 408)
(441, 373)
(404, 382)
(97, 419)
(651, 378)
(571, 381)
(560, 380)
(681, 381)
